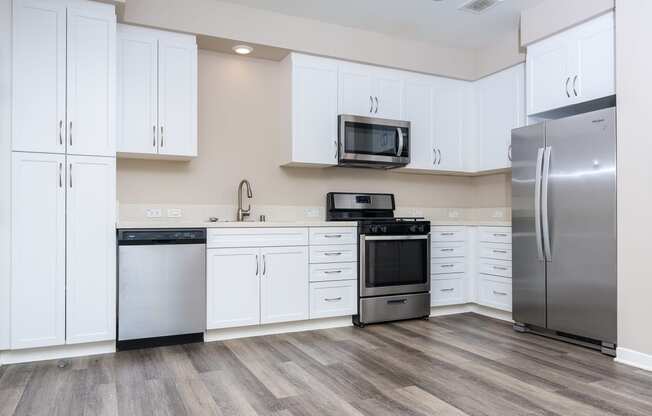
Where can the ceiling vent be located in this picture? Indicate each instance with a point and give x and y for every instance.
(478, 6)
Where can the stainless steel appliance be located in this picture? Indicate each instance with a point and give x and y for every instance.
(373, 142)
(394, 257)
(564, 228)
(161, 287)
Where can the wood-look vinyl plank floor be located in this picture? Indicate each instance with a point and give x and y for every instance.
(458, 365)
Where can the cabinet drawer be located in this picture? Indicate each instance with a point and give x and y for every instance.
(333, 271)
(496, 251)
(496, 268)
(334, 253)
(443, 250)
(445, 267)
(329, 299)
(256, 237)
(446, 292)
(496, 235)
(448, 234)
(333, 235)
(495, 293)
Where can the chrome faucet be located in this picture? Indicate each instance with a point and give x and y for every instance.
(242, 213)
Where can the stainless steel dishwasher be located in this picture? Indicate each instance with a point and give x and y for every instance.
(161, 287)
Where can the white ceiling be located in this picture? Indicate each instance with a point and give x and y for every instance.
(437, 22)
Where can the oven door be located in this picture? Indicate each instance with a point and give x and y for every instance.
(392, 264)
(373, 141)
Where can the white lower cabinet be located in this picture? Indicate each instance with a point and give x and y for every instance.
(284, 284)
(448, 291)
(495, 292)
(494, 267)
(63, 250)
(232, 287)
(336, 298)
(448, 278)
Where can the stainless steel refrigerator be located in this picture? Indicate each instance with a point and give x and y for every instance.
(564, 228)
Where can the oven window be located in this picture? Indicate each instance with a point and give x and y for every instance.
(396, 262)
(370, 139)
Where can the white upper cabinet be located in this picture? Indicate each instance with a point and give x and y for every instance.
(370, 91)
(38, 266)
(157, 93)
(91, 80)
(90, 246)
(451, 114)
(310, 110)
(64, 77)
(39, 76)
(137, 90)
(574, 66)
(284, 288)
(500, 108)
(417, 106)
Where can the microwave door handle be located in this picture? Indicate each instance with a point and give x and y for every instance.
(400, 141)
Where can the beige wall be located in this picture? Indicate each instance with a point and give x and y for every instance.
(502, 54)
(238, 138)
(634, 91)
(231, 21)
(5, 167)
(552, 16)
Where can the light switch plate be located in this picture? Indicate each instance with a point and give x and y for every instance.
(174, 213)
(153, 213)
(453, 213)
(497, 214)
(311, 212)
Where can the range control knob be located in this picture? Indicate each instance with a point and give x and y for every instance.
(374, 228)
(383, 228)
(422, 228)
(413, 228)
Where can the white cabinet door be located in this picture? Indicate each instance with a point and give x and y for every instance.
(90, 249)
(500, 99)
(38, 280)
(594, 48)
(388, 94)
(549, 76)
(232, 287)
(91, 80)
(448, 124)
(39, 76)
(417, 105)
(177, 83)
(356, 90)
(314, 110)
(137, 59)
(284, 291)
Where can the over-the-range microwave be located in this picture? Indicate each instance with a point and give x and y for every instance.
(373, 142)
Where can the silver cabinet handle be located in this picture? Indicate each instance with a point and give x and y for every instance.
(335, 143)
(449, 289)
(446, 234)
(376, 112)
(60, 132)
(509, 153)
(333, 271)
(499, 293)
(500, 251)
(70, 132)
(60, 175)
(567, 81)
(574, 82)
(545, 227)
(333, 236)
(70, 174)
(257, 264)
(500, 235)
(161, 136)
(447, 249)
(264, 265)
(434, 156)
(332, 254)
(371, 104)
(337, 299)
(439, 152)
(447, 265)
(154, 136)
(537, 203)
(399, 131)
(500, 268)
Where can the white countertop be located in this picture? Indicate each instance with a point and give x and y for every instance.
(277, 224)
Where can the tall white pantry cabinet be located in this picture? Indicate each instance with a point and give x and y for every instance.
(63, 173)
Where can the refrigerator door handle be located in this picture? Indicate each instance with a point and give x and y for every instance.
(544, 204)
(537, 203)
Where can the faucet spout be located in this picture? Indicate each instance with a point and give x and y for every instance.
(242, 213)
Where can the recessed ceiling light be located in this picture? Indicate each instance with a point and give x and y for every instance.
(242, 49)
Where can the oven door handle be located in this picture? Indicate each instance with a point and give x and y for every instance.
(400, 141)
(393, 237)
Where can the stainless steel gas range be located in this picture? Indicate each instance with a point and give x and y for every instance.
(394, 257)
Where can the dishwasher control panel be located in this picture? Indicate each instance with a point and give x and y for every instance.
(162, 236)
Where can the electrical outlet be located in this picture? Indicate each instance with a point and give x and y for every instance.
(311, 212)
(417, 212)
(174, 213)
(153, 213)
(497, 214)
(453, 213)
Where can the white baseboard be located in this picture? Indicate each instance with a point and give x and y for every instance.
(56, 353)
(633, 358)
(272, 329)
(471, 307)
